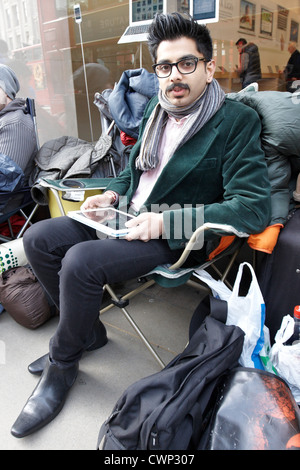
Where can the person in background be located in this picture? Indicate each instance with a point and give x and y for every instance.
(17, 133)
(292, 69)
(249, 68)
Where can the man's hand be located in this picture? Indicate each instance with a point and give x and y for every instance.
(145, 227)
(100, 200)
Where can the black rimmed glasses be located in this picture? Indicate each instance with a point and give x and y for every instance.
(184, 66)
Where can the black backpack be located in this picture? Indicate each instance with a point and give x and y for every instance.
(166, 411)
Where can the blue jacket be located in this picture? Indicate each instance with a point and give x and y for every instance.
(130, 96)
(11, 179)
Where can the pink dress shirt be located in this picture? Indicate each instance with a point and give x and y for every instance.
(149, 178)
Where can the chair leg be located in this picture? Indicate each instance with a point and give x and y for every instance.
(223, 277)
(10, 228)
(130, 295)
(28, 220)
(119, 303)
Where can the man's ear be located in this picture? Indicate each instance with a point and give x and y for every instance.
(210, 70)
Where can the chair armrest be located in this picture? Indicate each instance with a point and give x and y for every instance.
(194, 238)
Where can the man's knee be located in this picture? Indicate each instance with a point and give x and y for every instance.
(33, 235)
(46, 234)
(77, 262)
(81, 265)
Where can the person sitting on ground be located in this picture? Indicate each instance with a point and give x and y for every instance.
(198, 157)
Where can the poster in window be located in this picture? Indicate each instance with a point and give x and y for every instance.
(205, 10)
(247, 15)
(266, 22)
(143, 10)
(282, 18)
(294, 31)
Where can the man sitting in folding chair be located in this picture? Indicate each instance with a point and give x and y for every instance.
(195, 148)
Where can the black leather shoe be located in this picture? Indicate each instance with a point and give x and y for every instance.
(98, 340)
(37, 367)
(47, 399)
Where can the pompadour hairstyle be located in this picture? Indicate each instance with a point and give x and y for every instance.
(167, 27)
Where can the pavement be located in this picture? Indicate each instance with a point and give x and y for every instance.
(164, 316)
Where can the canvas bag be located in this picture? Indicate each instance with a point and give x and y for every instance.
(247, 312)
(165, 411)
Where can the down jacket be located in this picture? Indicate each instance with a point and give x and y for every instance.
(128, 99)
(280, 117)
(66, 157)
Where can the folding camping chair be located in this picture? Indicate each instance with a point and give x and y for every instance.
(165, 276)
(172, 276)
(19, 199)
(175, 275)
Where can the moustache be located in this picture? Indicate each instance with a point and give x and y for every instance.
(184, 86)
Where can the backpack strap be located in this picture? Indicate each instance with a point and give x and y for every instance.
(209, 306)
(218, 309)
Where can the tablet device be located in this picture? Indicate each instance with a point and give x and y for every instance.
(107, 220)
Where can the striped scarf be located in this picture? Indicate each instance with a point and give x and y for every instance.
(199, 113)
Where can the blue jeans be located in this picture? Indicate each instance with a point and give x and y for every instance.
(73, 265)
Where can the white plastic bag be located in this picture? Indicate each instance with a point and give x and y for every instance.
(286, 359)
(265, 353)
(247, 312)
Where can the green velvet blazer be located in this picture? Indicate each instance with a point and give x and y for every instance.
(219, 176)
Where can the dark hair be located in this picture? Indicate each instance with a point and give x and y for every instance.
(242, 40)
(166, 27)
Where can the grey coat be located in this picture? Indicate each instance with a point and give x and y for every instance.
(17, 135)
(66, 157)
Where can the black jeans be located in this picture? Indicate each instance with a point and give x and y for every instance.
(73, 265)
